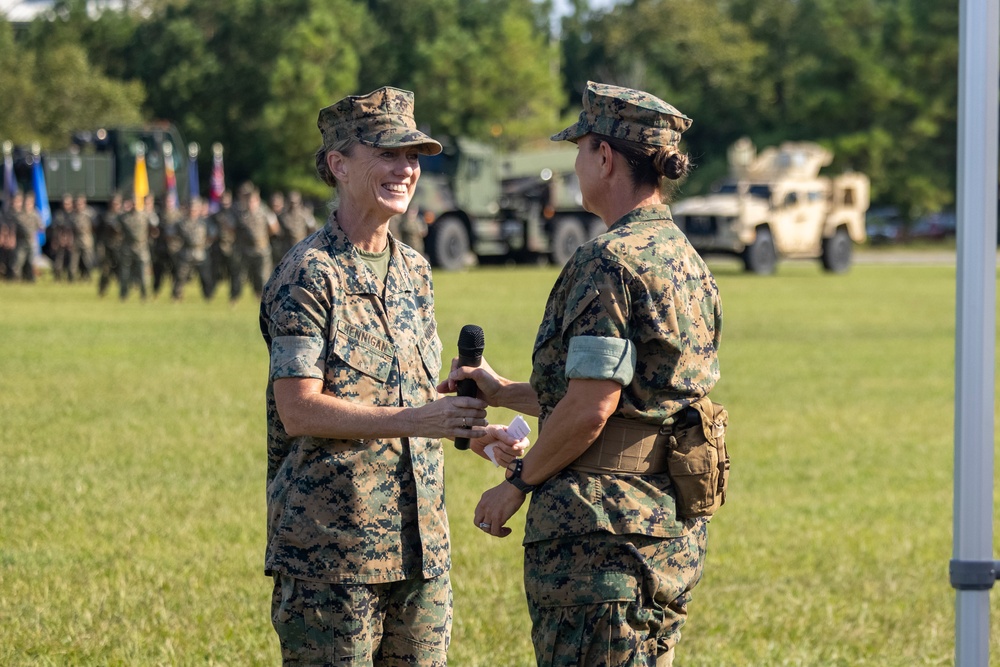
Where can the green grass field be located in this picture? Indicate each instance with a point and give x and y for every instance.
(133, 459)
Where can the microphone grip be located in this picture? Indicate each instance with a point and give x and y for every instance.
(466, 387)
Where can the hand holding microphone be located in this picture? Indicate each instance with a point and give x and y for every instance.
(471, 342)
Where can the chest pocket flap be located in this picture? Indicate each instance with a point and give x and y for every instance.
(363, 350)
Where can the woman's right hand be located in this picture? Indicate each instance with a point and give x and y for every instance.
(487, 380)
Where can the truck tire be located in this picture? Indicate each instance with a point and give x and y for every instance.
(760, 256)
(448, 243)
(837, 252)
(567, 236)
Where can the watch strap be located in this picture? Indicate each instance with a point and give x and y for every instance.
(515, 478)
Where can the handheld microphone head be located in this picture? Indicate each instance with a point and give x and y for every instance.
(471, 342)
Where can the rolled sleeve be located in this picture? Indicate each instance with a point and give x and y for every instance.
(599, 358)
(297, 357)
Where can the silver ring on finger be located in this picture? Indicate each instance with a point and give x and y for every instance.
(465, 423)
(484, 526)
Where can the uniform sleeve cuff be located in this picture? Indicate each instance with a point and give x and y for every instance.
(598, 358)
(297, 357)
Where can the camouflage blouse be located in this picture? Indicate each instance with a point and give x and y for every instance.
(643, 282)
(353, 511)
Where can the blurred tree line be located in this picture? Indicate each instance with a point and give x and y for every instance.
(873, 80)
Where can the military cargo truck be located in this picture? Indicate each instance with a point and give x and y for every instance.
(101, 162)
(775, 205)
(523, 206)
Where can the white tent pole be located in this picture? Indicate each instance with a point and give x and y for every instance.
(973, 571)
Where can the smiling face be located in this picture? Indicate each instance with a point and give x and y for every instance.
(379, 181)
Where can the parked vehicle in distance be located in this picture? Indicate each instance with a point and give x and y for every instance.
(99, 163)
(935, 226)
(775, 205)
(522, 206)
(884, 226)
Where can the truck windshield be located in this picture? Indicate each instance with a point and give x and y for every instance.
(760, 190)
(437, 164)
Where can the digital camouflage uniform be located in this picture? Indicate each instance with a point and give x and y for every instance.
(8, 242)
(82, 255)
(253, 244)
(167, 248)
(61, 244)
(295, 223)
(357, 535)
(224, 258)
(345, 511)
(134, 258)
(109, 241)
(27, 225)
(193, 257)
(609, 565)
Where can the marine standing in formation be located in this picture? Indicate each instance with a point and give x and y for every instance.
(134, 258)
(82, 222)
(61, 244)
(624, 359)
(167, 246)
(357, 535)
(254, 230)
(19, 226)
(193, 257)
(8, 234)
(295, 222)
(109, 244)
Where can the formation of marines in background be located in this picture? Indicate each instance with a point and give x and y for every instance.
(144, 246)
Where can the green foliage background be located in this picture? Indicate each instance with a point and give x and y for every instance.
(874, 80)
(133, 476)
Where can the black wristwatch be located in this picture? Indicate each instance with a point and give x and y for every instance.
(515, 478)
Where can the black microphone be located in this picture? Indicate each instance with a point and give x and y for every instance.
(471, 342)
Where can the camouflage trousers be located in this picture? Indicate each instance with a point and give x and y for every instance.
(397, 624)
(604, 600)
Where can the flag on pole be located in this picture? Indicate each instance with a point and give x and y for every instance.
(193, 186)
(141, 179)
(170, 174)
(41, 196)
(218, 184)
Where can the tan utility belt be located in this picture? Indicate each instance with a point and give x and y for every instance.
(692, 450)
(626, 447)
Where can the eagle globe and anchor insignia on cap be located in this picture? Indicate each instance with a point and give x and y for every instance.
(383, 118)
(626, 113)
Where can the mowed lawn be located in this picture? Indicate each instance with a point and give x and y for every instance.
(132, 462)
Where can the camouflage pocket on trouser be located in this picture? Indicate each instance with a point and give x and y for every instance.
(397, 624)
(610, 600)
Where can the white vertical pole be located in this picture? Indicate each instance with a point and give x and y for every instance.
(979, 79)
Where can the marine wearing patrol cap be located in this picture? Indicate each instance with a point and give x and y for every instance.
(383, 118)
(625, 113)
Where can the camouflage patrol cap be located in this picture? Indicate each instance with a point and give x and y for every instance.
(625, 113)
(382, 118)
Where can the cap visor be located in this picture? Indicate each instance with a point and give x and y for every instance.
(403, 139)
(571, 133)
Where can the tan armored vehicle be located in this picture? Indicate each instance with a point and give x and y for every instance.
(774, 205)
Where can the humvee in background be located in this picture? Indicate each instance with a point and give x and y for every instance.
(775, 205)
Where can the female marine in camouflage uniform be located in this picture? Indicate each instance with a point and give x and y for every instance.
(357, 531)
(627, 343)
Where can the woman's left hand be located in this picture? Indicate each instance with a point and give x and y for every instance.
(497, 506)
(506, 448)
